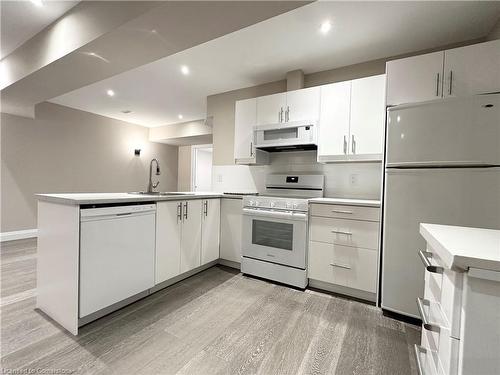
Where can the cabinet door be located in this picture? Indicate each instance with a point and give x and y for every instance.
(415, 79)
(367, 118)
(271, 109)
(302, 105)
(230, 229)
(168, 240)
(191, 235)
(245, 120)
(210, 222)
(472, 70)
(333, 133)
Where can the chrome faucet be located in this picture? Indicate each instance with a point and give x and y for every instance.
(154, 185)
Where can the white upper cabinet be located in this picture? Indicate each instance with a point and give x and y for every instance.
(210, 223)
(352, 117)
(367, 118)
(271, 109)
(472, 69)
(302, 105)
(463, 71)
(333, 135)
(245, 119)
(415, 79)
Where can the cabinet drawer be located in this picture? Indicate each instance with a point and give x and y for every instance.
(444, 351)
(352, 233)
(446, 289)
(346, 212)
(343, 265)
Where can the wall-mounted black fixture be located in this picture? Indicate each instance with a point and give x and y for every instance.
(137, 152)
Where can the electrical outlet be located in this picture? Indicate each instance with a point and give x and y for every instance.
(219, 178)
(353, 179)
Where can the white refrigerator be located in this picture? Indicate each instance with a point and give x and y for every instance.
(442, 166)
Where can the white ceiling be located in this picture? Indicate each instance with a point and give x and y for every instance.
(21, 20)
(361, 31)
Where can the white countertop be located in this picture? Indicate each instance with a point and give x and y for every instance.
(463, 247)
(105, 198)
(347, 201)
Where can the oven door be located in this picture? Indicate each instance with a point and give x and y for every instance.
(275, 236)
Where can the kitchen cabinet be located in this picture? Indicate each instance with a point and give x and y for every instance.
(462, 71)
(460, 305)
(244, 146)
(271, 109)
(472, 70)
(302, 105)
(297, 105)
(415, 79)
(343, 249)
(367, 118)
(191, 235)
(334, 121)
(230, 229)
(168, 240)
(352, 115)
(210, 224)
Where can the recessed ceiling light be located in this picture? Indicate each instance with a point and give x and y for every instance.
(110, 93)
(325, 27)
(180, 117)
(184, 70)
(38, 3)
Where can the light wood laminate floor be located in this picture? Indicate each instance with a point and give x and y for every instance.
(216, 322)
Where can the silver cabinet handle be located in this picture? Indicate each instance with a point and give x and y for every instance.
(340, 266)
(353, 145)
(342, 212)
(287, 114)
(418, 350)
(425, 321)
(342, 232)
(345, 145)
(186, 210)
(179, 212)
(424, 257)
(205, 209)
(437, 84)
(251, 148)
(451, 82)
(281, 115)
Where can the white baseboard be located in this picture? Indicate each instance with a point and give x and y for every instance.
(18, 235)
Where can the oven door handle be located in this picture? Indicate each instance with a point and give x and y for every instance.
(296, 216)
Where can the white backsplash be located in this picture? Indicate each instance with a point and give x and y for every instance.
(343, 180)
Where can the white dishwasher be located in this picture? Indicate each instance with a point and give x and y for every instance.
(117, 254)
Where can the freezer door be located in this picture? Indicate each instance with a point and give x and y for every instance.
(464, 131)
(454, 196)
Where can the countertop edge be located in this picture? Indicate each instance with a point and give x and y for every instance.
(132, 198)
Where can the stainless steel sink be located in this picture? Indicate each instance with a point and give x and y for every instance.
(162, 193)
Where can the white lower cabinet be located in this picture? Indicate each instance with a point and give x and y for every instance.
(230, 229)
(344, 252)
(210, 224)
(187, 236)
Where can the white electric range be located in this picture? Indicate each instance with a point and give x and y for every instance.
(274, 233)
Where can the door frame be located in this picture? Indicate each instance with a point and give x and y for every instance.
(194, 152)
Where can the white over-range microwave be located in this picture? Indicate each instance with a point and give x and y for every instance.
(286, 137)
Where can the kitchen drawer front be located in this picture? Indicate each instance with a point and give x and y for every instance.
(342, 265)
(444, 351)
(352, 233)
(346, 212)
(446, 289)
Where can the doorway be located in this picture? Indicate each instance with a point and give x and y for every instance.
(201, 168)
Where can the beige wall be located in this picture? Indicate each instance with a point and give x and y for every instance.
(495, 32)
(67, 150)
(184, 176)
(221, 106)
